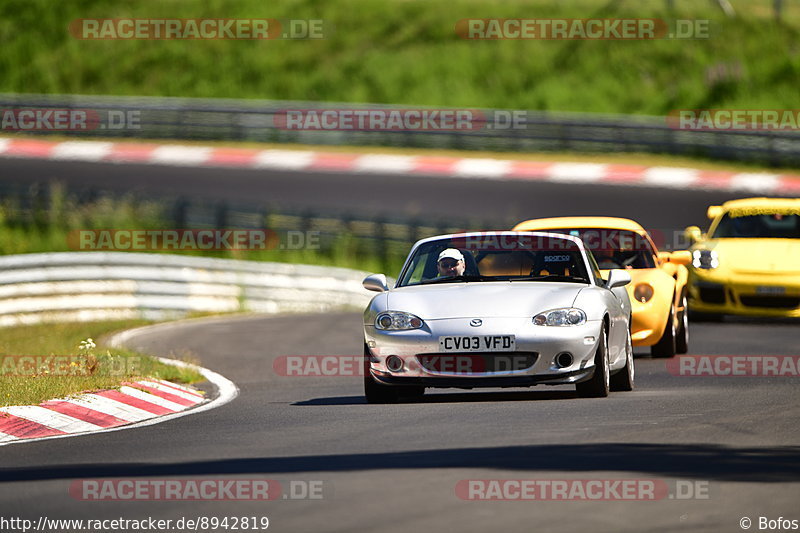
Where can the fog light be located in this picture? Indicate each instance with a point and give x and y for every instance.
(564, 359)
(394, 363)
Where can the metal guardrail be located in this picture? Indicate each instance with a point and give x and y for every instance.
(254, 120)
(82, 286)
(388, 238)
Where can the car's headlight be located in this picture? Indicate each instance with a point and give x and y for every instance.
(568, 316)
(643, 292)
(397, 320)
(705, 259)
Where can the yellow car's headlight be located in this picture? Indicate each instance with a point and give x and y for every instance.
(705, 259)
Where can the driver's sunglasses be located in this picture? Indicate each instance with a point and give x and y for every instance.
(448, 263)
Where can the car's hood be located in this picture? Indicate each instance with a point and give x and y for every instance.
(773, 256)
(483, 299)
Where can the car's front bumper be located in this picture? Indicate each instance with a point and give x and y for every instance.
(750, 295)
(538, 346)
(648, 321)
(387, 378)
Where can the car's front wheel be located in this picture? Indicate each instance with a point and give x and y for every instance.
(624, 379)
(682, 339)
(599, 384)
(666, 346)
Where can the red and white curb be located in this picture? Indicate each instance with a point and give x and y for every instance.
(136, 404)
(456, 167)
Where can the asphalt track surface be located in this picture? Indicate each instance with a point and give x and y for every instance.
(396, 467)
(501, 202)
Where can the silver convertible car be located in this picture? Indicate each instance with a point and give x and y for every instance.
(497, 309)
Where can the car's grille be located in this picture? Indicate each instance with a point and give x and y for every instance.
(478, 362)
(775, 302)
(712, 294)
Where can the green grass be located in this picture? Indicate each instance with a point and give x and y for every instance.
(30, 382)
(51, 226)
(407, 52)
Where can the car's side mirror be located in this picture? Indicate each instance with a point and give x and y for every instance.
(693, 234)
(375, 282)
(681, 257)
(617, 278)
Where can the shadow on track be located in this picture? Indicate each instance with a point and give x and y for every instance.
(460, 397)
(778, 464)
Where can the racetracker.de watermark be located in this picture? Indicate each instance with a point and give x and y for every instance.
(353, 365)
(192, 239)
(594, 239)
(380, 119)
(50, 119)
(734, 366)
(640, 490)
(318, 365)
(65, 366)
(582, 29)
(734, 119)
(193, 29)
(217, 489)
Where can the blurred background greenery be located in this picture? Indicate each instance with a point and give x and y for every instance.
(407, 52)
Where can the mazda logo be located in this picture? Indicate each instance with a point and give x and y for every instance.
(475, 322)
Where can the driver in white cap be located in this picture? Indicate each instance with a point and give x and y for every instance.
(450, 263)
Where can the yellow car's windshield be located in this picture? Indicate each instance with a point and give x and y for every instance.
(761, 226)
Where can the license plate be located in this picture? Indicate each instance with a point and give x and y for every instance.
(477, 343)
(773, 290)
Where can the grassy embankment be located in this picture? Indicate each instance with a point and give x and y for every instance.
(71, 369)
(47, 229)
(408, 53)
(52, 228)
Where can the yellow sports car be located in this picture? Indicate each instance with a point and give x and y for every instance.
(658, 288)
(749, 262)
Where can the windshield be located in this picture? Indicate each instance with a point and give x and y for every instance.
(615, 248)
(760, 226)
(488, 258)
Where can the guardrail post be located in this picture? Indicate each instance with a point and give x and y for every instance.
(180, 212)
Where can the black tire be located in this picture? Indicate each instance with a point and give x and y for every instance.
(624, 379)
(599, 384)
(666, 347)
(682, 338)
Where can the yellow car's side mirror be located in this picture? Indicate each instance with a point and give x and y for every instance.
(682, 257)
(693, 234)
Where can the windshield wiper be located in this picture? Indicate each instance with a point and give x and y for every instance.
(553, 277)
(462, 277)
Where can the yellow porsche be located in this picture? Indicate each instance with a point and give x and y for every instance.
(658, 288)
(749, 261)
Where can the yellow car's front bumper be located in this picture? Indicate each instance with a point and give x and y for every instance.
(647, 327)
(739, 294)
